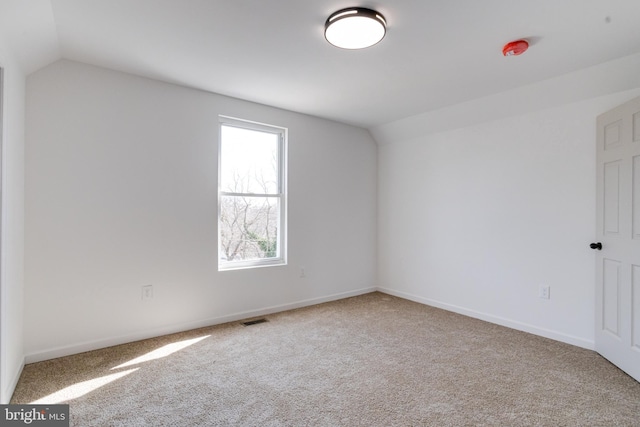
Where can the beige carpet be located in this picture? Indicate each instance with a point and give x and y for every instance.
(372, 360)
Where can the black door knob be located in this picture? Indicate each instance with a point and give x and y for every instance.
(597, 246)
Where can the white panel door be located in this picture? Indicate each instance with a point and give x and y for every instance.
(618, 230)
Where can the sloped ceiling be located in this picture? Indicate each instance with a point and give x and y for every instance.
(436, 54)
(29, 29)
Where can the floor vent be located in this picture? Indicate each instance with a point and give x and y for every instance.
(254, 322)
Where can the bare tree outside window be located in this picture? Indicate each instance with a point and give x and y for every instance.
(251, 195)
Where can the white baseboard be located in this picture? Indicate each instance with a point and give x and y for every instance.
(554, 335)
(109, 342)
(7, 393)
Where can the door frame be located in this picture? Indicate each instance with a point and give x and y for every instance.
(3, 288)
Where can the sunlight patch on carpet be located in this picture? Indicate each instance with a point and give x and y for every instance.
(81, 388)
(161, 352)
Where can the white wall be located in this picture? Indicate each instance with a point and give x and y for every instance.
(121, 192)
(12, 239)
(475, 219)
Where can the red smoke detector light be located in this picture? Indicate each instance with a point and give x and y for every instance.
(515, 48)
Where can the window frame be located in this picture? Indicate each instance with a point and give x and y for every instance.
(281, 194)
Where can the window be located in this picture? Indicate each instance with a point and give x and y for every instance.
(251, 194)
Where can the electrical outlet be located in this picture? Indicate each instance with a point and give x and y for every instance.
(302, 273)
(544, 292)
(147, 292)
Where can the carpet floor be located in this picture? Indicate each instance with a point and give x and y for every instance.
(371, 360)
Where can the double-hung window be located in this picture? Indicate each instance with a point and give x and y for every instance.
(251, 194)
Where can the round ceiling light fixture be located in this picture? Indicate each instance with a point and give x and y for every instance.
(355, 28)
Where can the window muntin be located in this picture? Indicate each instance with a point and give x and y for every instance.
(251, 195)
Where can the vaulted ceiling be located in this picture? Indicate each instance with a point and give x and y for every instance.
(437, 53)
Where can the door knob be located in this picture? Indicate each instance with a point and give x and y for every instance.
(597, 246)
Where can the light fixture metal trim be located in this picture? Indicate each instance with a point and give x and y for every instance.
(355, 28)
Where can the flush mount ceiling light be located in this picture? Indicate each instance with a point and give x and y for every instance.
(355, 28)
